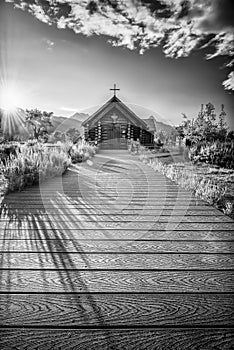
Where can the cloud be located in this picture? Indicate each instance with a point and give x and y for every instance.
(229, 83)
(178, 26)
(218, 16)
(49, 44)
(68, 109)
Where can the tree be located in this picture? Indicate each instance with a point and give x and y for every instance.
(39, 122)
(230, 135)
(222, 125)
(57, 136)
(204, 127)
(73, 134)
(180, 132)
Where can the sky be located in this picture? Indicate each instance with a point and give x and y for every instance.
(167, 57)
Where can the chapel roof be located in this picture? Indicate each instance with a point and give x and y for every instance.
(115, 101)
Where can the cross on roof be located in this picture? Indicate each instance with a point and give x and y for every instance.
(115, 89)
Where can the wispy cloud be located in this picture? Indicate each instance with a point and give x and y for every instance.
(68, 109)
(49, 43)
(229, 83)
(178, 26)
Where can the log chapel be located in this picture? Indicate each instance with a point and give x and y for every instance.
(114, 124)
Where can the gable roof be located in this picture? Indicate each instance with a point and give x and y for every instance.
(151, 123)
(115, 102)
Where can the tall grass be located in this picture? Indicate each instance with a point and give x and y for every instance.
(82, 151)
(31, 164)
(213, 187)
(34, 162)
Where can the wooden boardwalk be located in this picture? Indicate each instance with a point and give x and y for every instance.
(115, 256)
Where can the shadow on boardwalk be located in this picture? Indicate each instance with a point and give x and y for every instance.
(31, 215)
(171, 278)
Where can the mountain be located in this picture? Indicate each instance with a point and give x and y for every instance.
(13, 123)
(62, 124)
(168, 129)
(80, 116)
(155, 125)
(75, 121)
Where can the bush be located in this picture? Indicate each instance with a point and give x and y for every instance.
(29, 165)
(3, 186)
(7, 149)
(216, 153)
(82, 151)
(25, 165)
(212, 185)
(133, 146)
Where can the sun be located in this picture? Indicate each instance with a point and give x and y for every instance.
(10, 98)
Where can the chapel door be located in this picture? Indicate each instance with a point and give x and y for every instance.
(115, 136)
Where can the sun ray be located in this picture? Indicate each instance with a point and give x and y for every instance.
(11, 101)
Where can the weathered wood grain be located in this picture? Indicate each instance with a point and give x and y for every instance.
(116, 261)
(93, 224)
(118, 281)
(151, 193)
(40, 232)
(118, 248)
(140, 339)
(116, 310)
(16, 207)
(106, 199)
(118, 217)
(75, 245)
(21, 212)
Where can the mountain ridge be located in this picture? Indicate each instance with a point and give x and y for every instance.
(62, 123)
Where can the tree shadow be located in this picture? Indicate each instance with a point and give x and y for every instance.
(40, 219)
(44, 218)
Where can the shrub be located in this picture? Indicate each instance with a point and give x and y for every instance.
(211, 185)
(82, 151)
(133, 146)
(8, 149)
(201, 185)
(3, 186)
(32, 164)
(25, 165)
(216, 153)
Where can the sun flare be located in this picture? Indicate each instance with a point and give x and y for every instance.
(12, 101)
(10, 98)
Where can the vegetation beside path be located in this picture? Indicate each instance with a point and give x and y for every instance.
(210, 183)
(23, 165)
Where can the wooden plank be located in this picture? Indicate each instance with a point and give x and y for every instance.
(16, 207)
(107, 194)
(120, 217)
(65, 232)
(21, 212)
(75, 245)
(129, 339)
(116, 310)
(112, 225)
(118, 281)
(100, 200)
(193, 310)
(116, 261)
(73, 188)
